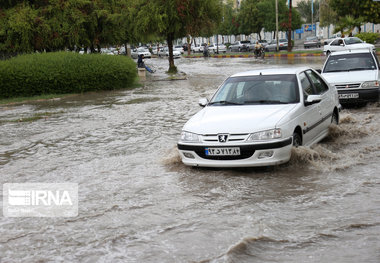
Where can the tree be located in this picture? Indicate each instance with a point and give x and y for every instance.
(248, 18)
(173, 19)
(50, 25)
(229, 25)
(267, 14)
(347, 24)
(304, 8)
(369, 10)
(327, 15)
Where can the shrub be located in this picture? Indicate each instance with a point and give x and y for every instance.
(64, 72)
(368, 37)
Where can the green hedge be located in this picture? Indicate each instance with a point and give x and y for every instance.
(64, 72)
(368, 37)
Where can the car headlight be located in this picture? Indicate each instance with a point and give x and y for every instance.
(265, 135)
(189, 137)
(370, 84)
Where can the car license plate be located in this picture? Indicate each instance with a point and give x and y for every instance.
(223, 151)
(349, 96)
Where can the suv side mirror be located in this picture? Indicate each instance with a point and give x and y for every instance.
(203, 102)
(312, 99)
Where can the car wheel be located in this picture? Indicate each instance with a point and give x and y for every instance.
(335, 118)
(297, 140)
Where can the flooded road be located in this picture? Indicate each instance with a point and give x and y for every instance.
(138, 203)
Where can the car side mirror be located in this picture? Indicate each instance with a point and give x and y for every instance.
(319, 70)
(203, 102)
(313, 99)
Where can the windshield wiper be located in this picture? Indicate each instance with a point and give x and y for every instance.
(266, 101)
(225, 102)
(338, 70)
(353, 69)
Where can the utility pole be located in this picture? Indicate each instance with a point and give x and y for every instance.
(312, 14)
(277, 25)
(290, 27)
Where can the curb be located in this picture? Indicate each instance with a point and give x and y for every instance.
(269, 55)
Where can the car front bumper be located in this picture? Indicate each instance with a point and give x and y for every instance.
(251, 155)
(352, 96)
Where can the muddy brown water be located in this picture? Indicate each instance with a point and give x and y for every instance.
(138, 203)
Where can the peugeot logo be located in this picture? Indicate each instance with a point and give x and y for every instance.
(222, 137)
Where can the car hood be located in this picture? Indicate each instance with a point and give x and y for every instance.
(359, 46)
(351, 76)
(237, 119)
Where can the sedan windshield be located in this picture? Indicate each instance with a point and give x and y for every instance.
(353, 40)
(262, 89)
(350, 62)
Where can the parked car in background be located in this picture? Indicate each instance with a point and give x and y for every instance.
(202, 46)
(141, 51)
(255, 118)
(312, 41)
(179, 48)
(240, 46)
(340, 44)
(195, 48)
(164, 52)
(220, 47)
(355, 74)
(263, 42)
(282, 45)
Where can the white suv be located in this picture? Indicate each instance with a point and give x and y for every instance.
(355, 74)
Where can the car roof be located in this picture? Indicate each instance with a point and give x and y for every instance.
(351, 51)
(271, 71)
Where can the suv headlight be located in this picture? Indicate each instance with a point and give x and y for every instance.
(265, 135)
(370, 84)
(189, 137)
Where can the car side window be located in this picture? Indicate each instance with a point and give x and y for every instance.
(306, 85)
(320, 86)
(335, 42)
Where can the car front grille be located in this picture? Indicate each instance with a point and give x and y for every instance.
(348, 86)
(231, 137)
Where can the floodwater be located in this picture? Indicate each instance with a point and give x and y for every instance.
(138, 203)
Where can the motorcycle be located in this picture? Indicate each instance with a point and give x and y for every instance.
(206, 53)
(260, 53)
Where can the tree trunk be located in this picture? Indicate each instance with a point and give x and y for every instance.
(290, 27)
(188, 45)
(172, 67)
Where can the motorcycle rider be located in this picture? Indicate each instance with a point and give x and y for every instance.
(258, 48)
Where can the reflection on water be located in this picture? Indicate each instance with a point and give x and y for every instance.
(139, 203)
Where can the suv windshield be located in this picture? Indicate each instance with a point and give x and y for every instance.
(267, 89)
(350, 62)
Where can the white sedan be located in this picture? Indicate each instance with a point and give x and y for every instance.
(256, 117)
(141, 51)
(164, 52)
(347, 43)
(220, 47)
